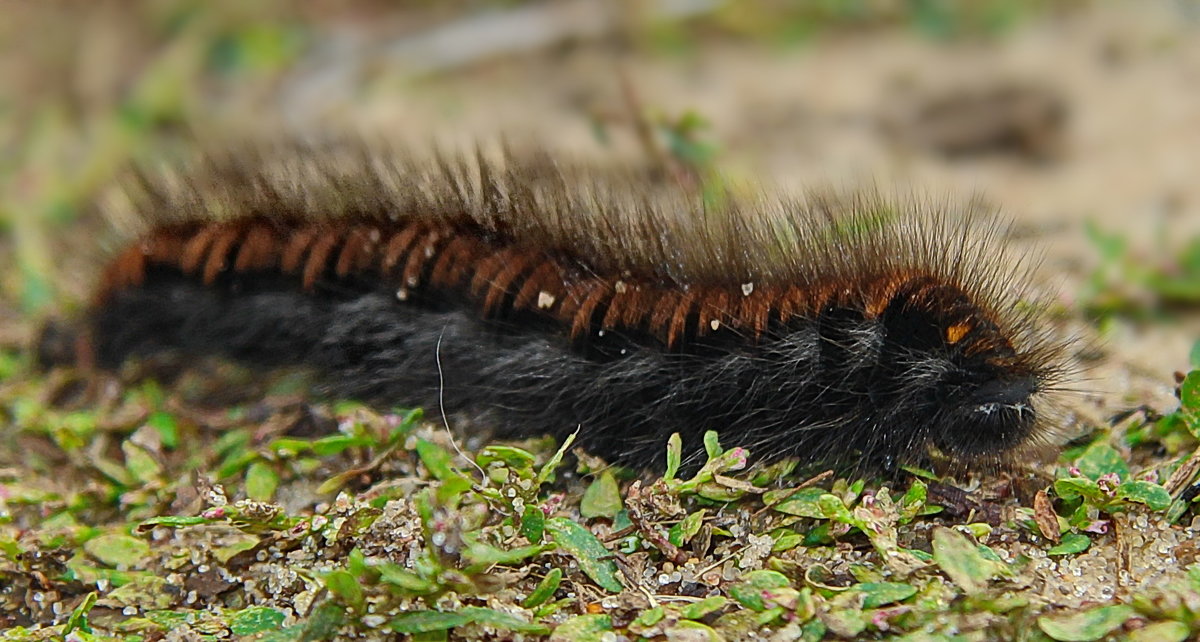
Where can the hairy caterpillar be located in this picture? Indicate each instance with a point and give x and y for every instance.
(541, 299)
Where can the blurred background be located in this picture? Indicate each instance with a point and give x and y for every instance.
(1081, 120)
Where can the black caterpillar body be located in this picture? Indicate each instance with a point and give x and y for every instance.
(541, 299)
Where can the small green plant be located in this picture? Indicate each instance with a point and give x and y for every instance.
(1127, 283)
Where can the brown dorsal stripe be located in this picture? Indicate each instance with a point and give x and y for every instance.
(630, 306)
(422, 251)
(296, 249)
(218, 251)
(498, 277)
(679, 316)
(581, 321)
(504, 280)
(128, 269)
(398, 247)
(356, 251)
(197, 248)
(318, 258)
(756, 311)
(458, 252)
(713, 312)
(542, 289)
(488, 268)
(257, 251)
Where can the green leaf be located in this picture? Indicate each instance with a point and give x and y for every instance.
(702, 608)
(334, 444)
(1194, 355)
(690, 630)
(449, 491)
(913, 501)
(602, 498)
(749, 592)
(261, 482)
(548, 469)
(587, 550)
(166, 426)
(346, 587)
(407, 581)
(289, 446)
(920, 472)
(533, 523)
(767, 476)
(650, 617)
(769, 616)
(1189, 391)
(324, 622)
(545, 589)
(436, 460)
(684, 530)
(1143, 492)
(502, 620)
(833, 509)
(1074, 487)
(1170, 631)
(237, 544)
(356, 563)
(712, 444)
(232, 442)
(1089, 625)
(960, 559)
(235, 462)
(1101, 459)
(485, 555)
(674, 456)
(806, 604)
(803, 503)
(78, 618)
(621, 521)
(819, 535)
(878, 594)
(10, 364)
(147, 591)
(117, 550)
(813, 631)
(174, 521)
(1176, 510)
(786, 540)
(729, 460)
(719, 492)
(255, 619)
(426, 621)
(516, 458)
(167, 619)
(408, 420)
(582, 628)
(846, 622)
(1193, 576)
(140, 463)
(990, 555)
(1070, 544)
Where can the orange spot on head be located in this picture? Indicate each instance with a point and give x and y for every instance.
(956, 332)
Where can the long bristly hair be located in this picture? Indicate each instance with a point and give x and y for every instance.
(541, 297)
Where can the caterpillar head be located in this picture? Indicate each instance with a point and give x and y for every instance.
(989, 407)
(980, 394)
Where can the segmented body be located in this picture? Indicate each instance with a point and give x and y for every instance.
(851, 338)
